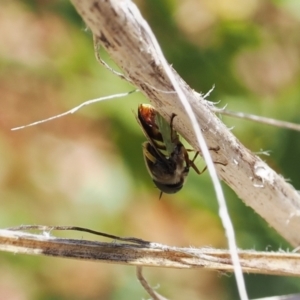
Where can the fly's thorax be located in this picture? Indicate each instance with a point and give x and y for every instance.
(157, 130)
(147, 119)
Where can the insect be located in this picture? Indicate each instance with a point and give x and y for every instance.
(166, 158)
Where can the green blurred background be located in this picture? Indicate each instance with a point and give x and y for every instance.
(87, 169)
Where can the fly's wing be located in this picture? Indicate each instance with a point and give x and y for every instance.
(166, 132)
(160, 169)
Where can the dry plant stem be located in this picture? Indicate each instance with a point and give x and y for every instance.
(282, 297)
(146, 286)
(119, 27)
(259, 119)
(149, 254)
(73, 110)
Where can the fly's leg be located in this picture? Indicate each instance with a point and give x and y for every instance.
(171, 122)
(216, 149)
(192, 164)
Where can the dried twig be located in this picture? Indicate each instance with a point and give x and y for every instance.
(282, 297)
(137, 252)
(146, 286)
(74, 109)
(258, 119)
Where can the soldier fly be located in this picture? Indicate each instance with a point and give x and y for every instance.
(166, 158)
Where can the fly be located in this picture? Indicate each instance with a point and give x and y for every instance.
(166, 158)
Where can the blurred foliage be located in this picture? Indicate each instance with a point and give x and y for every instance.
(87, 169)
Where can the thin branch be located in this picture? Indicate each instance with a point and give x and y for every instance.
(149, 254)
(259, 119)
(281, 297)
(146, 286)
(102, 62)
(48, 229)
(71, 111)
